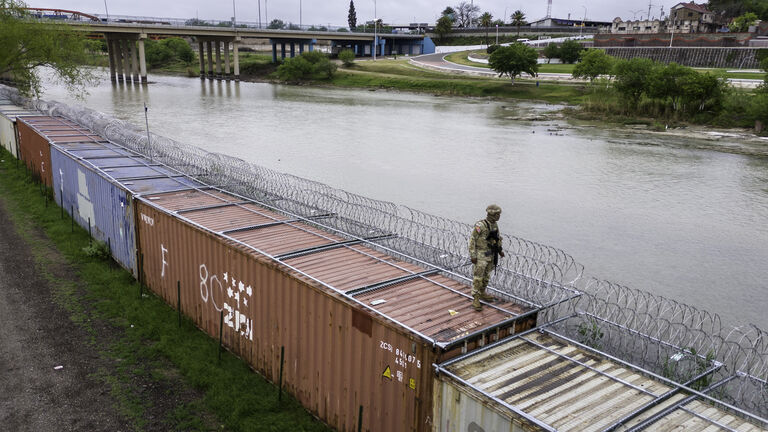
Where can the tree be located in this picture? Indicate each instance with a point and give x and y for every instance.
(569, 51)
(741, 24)
(513, 60)
(28, 44)
(465, 13)
(450, 13)
(734, 8)
(181, 49)
(551, 51)
(485, 21)
(276, 24)
(312, 65)
(518, 19)
(443, 27)
(347, 57)
(631, 78)
(352, 15)
(665, 82)
(593, 63)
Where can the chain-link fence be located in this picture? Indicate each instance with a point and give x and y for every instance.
(666, 337)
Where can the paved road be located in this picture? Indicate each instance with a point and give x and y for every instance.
(437, 62)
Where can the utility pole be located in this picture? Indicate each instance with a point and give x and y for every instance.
(300, 14)
(583, 19)
(375, 24)
(259, 13)
(234, 16)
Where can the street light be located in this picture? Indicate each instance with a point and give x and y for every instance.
(583, 19)
(234, 15)
(497, 34)
(375, 23)
(299, 14)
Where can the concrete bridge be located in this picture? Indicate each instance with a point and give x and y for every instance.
(127, 62)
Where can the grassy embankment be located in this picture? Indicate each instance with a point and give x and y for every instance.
(461, 58)
(150, 339)
(400, 75)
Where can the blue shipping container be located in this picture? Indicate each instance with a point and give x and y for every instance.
(96, 200)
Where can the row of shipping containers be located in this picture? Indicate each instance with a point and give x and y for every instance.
(366, 337)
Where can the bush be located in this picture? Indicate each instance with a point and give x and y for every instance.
(551, 51)
(180, 48)
(276, 24)
(492, 48)
(570, 50)
(513, 60)
(347, 56)
(157, 54)
(593, 63)
(308, 66)
(631, 78)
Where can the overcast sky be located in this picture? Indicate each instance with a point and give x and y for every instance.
(334, 12)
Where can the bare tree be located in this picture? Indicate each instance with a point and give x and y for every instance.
(465, 13)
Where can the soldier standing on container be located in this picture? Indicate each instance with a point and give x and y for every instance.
(484, 251)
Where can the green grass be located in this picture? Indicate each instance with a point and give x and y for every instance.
(461, 58)
(150, 342)
(400, 75)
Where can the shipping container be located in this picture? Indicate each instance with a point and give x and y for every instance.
(541, 381)
(359, 328)
(8, 130)
(95, 182)
(36, 133)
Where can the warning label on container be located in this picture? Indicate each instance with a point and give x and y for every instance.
(387, 373)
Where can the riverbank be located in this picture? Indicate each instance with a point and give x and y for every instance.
(86, 349)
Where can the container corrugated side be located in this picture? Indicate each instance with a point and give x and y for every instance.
(8, 131)
(339, 355)
(34, 150)
(96, 202)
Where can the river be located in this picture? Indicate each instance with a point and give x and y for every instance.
(666, 213)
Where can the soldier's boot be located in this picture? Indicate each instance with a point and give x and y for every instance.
(486, 297)
(476, 303)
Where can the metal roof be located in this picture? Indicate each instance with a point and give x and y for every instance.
(557, 384)
(416, 295)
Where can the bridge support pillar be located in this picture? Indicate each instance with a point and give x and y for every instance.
(126, 60)
(301, 48)
(312, 45)
(142, 60)
(236, 55)
(282, 50)
(227, 70)
(111, 55)
(134, 61)
(210, 59)
(218, 60)
(274, 52)
(293, 50)
(119, 59)
(201, 55)
(410, 49)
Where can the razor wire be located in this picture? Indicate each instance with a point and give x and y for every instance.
(662, 335)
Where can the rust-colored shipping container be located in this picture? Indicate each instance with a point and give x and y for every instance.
(37, 133)
(360, 327)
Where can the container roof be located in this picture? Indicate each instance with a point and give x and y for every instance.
(542, 378)
(11, 111)
(416, 295)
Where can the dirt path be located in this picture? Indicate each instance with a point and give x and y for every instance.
(36, 337)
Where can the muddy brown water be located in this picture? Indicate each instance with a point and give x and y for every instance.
(672, 214)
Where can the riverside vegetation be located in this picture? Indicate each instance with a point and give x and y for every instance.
(621, 91)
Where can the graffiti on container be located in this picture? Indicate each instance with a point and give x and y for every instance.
(230, 295)
(147, 220)
(163, 251)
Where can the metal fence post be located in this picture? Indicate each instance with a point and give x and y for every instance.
(282, 362)
(178, 299)
(221, 331)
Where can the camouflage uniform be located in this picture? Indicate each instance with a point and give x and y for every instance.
(484, 244)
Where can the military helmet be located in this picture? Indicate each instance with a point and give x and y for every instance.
(493, 209)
